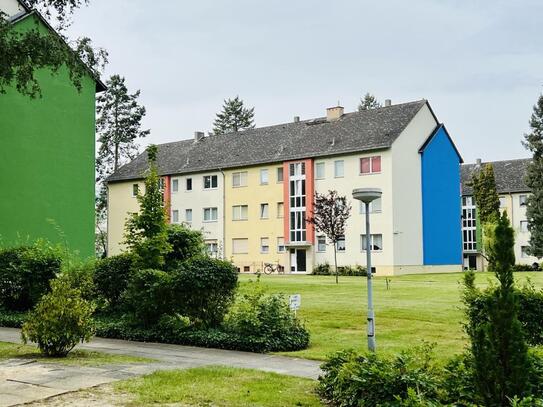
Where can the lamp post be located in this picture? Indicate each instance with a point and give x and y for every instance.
(367, 195)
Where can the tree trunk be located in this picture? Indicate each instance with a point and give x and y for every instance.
(335, 263)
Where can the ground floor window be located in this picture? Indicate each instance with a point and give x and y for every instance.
(240, 246)
(264, 245)
(340, 245)
(376, 242)
(321, 243)
(281, 245)
(212, 249)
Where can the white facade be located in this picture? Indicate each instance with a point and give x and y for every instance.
(10, 7)
(199, 203)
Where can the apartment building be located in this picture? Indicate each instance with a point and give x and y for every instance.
(263, 182)
(510, 184)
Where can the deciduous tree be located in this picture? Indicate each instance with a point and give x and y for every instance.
(330, 214)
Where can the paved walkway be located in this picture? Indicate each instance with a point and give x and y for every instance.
(22, 381)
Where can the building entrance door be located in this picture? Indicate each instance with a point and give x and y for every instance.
(298, 263)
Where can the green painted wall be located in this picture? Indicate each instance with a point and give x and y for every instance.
(47, 162)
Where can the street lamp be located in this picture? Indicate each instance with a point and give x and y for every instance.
(367, 195)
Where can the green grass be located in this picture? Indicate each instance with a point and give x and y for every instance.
(415, 308)
(221, 387)
(76, 357)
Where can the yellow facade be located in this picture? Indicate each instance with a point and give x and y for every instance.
(244, 237)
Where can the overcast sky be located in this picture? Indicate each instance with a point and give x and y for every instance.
(479, 63)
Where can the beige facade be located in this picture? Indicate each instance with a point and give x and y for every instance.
(121, 203)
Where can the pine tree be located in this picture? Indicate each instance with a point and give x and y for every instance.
(233, 117)
(23, 53)
(485, 194)
(533, 141)
(368, 102)
(330, 214)
(146, 232)
(500, 353)
(118, 125)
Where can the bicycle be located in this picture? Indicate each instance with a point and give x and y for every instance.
(270, 268)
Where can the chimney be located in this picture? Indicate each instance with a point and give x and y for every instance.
(296, 119)
(334, 113)
(198, 135)
(388, 102)
(478, 161)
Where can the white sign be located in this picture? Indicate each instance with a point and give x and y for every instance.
(295, 301)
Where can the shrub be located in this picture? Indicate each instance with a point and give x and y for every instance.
(268, 318)
(204, 289)
(186, 243)
(527, 267)
(351, 379)
(111, 277)
(60, 321)
(324, 269)
(25, 273)
(148, 296)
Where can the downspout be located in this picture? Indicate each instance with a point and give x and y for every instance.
(223, 214)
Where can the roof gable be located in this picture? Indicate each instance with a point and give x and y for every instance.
(354, 132)
(437, 130)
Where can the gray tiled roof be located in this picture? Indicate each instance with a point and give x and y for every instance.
(509, 176)
(353, 132)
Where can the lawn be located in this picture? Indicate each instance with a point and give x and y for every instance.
(414, 308)
(75, 357)
(219, 386)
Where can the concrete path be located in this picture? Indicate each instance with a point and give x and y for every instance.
(17, 385)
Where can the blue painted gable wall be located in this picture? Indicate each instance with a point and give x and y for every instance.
(442, 234)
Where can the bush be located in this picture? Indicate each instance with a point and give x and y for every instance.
(351, 379)
(25, 273)
(324, 269)
(186, 244)
(204, 289)
(111, 277)
(148, 296)
(267, 318)
(527, 267)
(60, 321)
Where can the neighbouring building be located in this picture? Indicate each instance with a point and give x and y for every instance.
(251, 192)
(511, 186)
(47, 153)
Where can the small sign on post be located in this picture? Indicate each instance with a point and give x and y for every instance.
(295, 301)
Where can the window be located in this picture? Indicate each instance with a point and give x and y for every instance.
(175, 216)
(321, 243)
(469, 224)
(212, 249)
(263, 176)
(239, 179)
(135, 189)
(523, 225)
(175, 185)
(188, 184)
(502, 202)
(370, 165)
(240, 212)
(375, 206)
(279, 174)
(297, 196)
(210, 214)
(340, 245)
(522, 200)
(188, 215)
(281, 245)
(246, 269)
(264, 211)
(240, 246)
(524, 252)
(264, 245)
(338, 169)
(319, 171)
(376, 242)
(210, 181)
(280, 210)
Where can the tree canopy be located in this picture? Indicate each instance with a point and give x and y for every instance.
(233, 117)
(485, 194)
(368, 102)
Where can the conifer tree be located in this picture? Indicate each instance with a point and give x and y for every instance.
(368, 102)
(533, 141)
(146, 232)
(233, 117)
(485, 194)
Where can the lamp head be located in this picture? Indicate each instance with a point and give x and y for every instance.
(367, 195)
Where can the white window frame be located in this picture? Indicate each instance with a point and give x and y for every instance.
(523, 199)
(213, 210)
(336, 163)
(372, 206)
(175, 185)
(264, 245)
(321, 240)
(341, 247)
(524, 226)
(281, 248)
(136, 189)
(187, 211)
(212, 248)
(264, 211)
(242, 177)
(372, 238)
(234, 246)
(211, 178)
(264, 176)
(523, 253)
(282, 172)
(280, 210)
(237, 212)
(175, 214)
(191, 184)
(322, 166)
